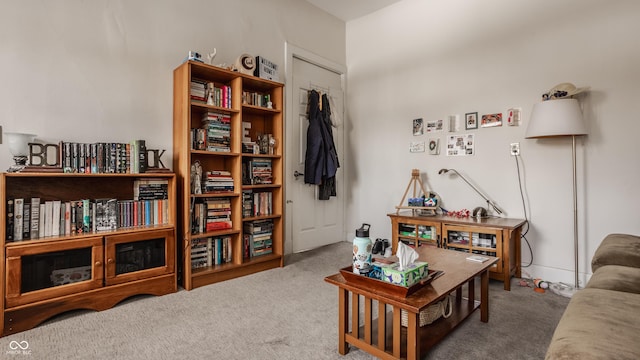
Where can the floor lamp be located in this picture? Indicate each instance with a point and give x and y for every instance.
(560, 118)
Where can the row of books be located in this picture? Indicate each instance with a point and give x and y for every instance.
(424, 232)
(207, 252)
(477, 239)
(256, 171)
(35, 218)
(102, 157)
(256, 98)
(256, 203)
(257, 238)
(202, 91)
(211, 214)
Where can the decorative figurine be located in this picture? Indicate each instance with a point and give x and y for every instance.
(196, 178)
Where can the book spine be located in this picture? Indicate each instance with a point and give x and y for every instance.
(48, 217)
(17, 222)
(42, 220)
(55, 217)
(67, 218)
(86, 215)
(35, 218)
(10, 220)
(26, 221)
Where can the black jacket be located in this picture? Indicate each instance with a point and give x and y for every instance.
(321, 157)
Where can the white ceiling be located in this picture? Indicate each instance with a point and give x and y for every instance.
(351, 9)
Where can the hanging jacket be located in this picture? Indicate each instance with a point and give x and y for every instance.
(321, 157)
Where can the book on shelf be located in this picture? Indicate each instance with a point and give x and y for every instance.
(17, 219)
(26, 221)
(35, 217)
(10, 220)
(55, 217)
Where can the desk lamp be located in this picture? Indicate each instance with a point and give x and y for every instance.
(489, 202)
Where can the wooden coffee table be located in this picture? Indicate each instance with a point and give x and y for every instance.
(384, 337)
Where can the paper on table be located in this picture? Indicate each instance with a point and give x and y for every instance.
(406, 255)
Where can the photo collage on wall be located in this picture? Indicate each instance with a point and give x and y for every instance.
(457, 144)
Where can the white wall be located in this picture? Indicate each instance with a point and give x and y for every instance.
(433, 58)
(101, 70)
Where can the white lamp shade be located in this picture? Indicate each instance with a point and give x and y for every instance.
(551, 118)
(19, 143)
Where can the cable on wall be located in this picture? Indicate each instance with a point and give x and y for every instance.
(524, 207)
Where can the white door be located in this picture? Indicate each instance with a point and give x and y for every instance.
(312, 222)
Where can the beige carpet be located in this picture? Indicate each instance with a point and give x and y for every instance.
(285, 313)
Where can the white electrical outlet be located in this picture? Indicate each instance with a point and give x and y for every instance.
(515, 149)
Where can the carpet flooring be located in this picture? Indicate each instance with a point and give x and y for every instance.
(284, 313)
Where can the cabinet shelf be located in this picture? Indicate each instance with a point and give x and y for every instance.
(216, 153)
(254, 218)
(216, 233)
(213, 195)
(54, 239)
(205, 107)
(254, 109)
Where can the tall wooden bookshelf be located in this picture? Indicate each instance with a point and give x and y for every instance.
(43, 276)
(248, 105)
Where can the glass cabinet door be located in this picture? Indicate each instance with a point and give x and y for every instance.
(139, 255)
(485, 241)
(42, 271)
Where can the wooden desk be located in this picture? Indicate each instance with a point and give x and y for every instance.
(393, 341)
(499, 237)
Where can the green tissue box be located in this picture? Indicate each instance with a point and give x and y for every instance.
(407, 277)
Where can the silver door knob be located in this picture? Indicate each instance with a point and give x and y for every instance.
(296, 174)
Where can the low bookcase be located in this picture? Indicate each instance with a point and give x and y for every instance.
(77, 266)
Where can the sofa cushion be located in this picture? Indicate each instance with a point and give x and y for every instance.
(617, 249)
(616, 277)
(598, 324)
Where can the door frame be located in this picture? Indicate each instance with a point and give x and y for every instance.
(291, 52)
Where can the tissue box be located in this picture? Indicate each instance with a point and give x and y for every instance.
(407, 277)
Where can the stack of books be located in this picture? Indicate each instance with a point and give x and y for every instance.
(212, 214)
(218, 130)
(258, 238)
(198, 90)
(218, 181)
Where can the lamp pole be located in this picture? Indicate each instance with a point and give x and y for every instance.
(575, 209)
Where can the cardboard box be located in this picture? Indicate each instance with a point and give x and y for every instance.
(409, 276)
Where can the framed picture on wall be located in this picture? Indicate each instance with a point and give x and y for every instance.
(471, 120)
(418, 127)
